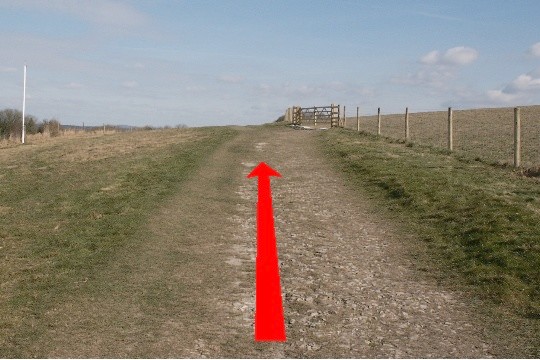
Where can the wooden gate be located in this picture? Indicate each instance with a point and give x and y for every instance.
(316, 115)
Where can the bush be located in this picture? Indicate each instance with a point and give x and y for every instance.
(54, 127)
(50, 127)
(31, 124)
(11, 125)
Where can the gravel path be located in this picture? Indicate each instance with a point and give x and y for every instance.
(349, 291)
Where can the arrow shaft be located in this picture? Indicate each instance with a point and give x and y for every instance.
(269, 319)
(266, 235)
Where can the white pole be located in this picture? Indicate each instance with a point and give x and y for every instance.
(23, 103)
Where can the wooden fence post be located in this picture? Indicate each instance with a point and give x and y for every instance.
(379, 121)
(406, 124)
(517, 138)
(296, 115)
(357, 119)
(333, 115)
(344, 124)
(450, 130)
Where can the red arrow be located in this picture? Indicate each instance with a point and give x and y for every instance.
(269, 321)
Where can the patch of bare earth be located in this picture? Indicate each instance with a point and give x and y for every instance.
(186, 288)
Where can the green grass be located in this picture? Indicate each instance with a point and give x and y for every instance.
(68, 205)
(480, 223)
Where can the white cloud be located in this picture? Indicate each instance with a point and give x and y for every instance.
(433, 77)
(130, 84)
(439, 68)
(73, 85)
(431, 58)
(460, 55)
(500, 97)
(524, 88)
(337, 86)
(456, 56)
(264, 87)
(313, 93)
(137, 66)
(523, 83)
(534, 50)
(196, 88)
(6, 69)
(231, 78)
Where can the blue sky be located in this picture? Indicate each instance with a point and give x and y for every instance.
(166, 62)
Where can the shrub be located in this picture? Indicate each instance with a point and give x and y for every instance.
(11, 125)
(49, 127)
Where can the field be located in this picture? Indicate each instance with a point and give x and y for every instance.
(68, 204)
(484, 133)
(143, 245)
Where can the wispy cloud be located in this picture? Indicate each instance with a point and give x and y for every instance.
(534, 50)
(74, 85)
(456, 56)
(324, 91)
(231, 78)
(437, 16)
(102, 12)
(437, 68)
(130, 84)
(7, 69)
(136, 66)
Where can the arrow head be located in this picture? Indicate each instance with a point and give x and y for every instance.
(263, 170)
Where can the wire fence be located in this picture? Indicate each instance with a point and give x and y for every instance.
(488, 134)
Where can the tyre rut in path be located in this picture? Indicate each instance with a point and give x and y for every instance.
(187, 290)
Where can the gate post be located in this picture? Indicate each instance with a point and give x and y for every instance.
(297, 115)
(334, 117)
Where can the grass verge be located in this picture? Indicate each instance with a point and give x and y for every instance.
(481, 224)
(69, 205)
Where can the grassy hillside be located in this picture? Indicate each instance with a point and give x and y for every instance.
(484, 133)
(67, 205)
(480, 224)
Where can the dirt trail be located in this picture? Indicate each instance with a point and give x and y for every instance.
(187, 289)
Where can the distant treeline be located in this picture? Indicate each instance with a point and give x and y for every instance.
(11, 125)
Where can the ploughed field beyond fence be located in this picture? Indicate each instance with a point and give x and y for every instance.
(487, 134)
